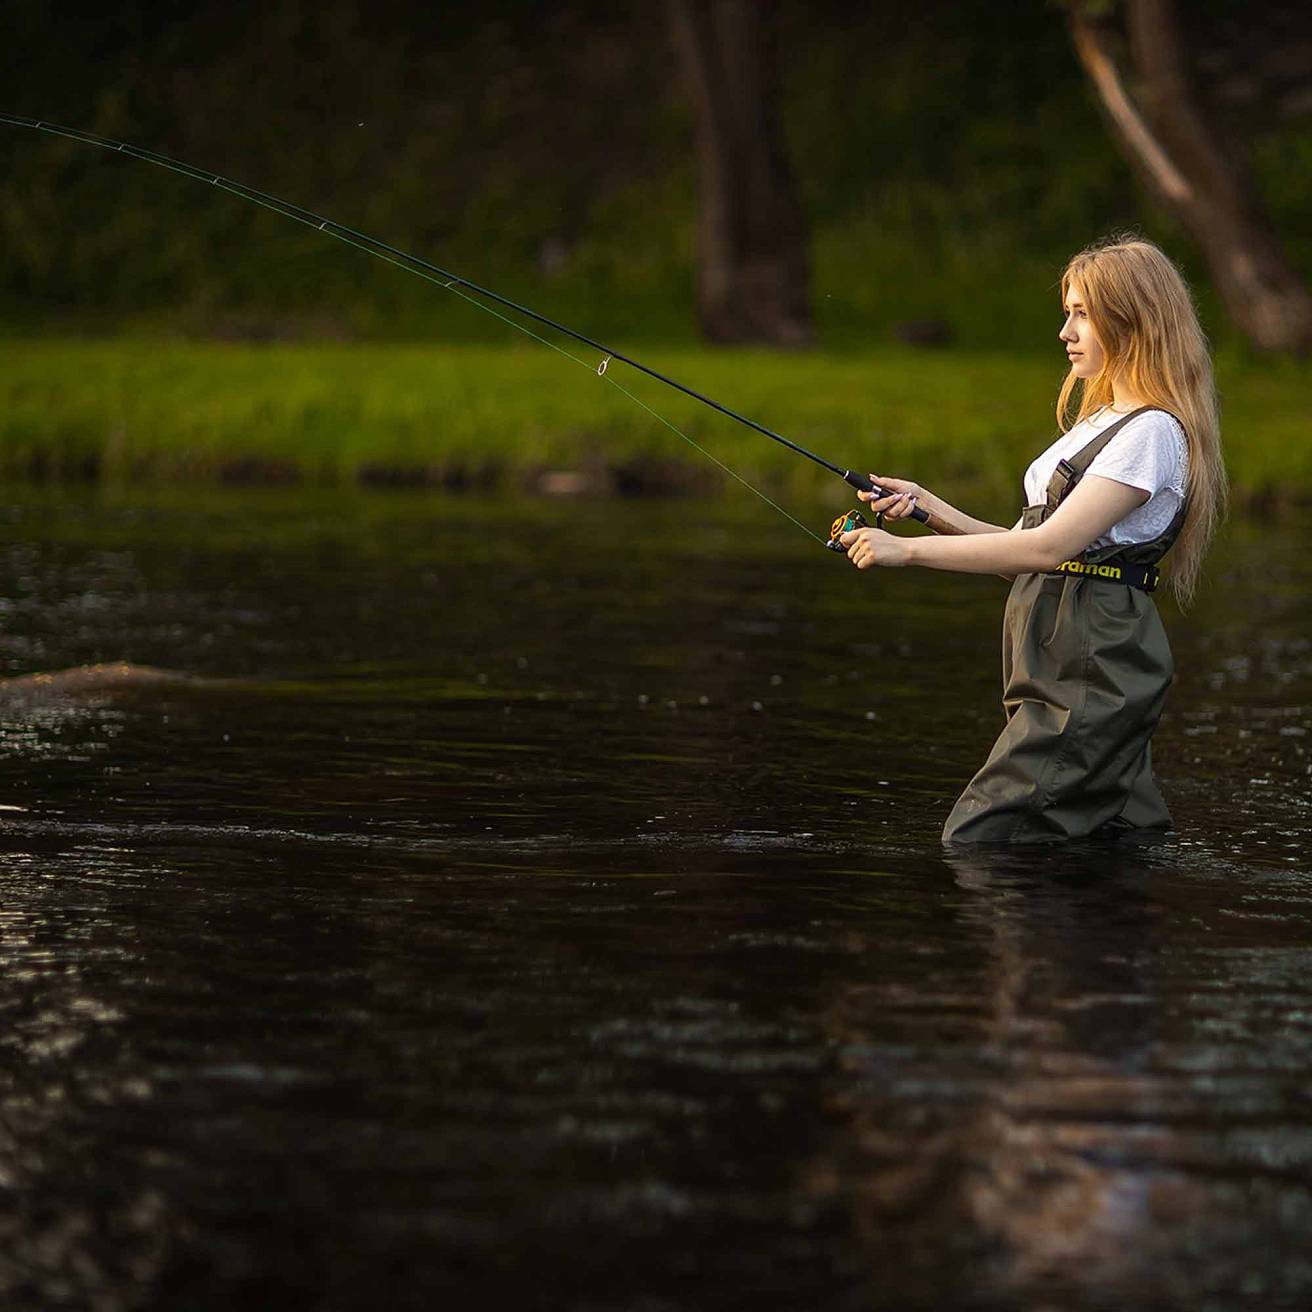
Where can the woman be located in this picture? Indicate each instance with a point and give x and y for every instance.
(1137, 470)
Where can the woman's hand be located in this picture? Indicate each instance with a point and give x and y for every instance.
(901, 498)
(872, 546)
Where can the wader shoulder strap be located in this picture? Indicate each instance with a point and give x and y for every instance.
(1136, 564)
(1069, 472)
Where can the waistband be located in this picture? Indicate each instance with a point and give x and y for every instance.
(1143, 577)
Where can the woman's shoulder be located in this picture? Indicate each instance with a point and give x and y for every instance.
(1155, 421)
(1151, 420)
(1152, 444)
(1155, 428)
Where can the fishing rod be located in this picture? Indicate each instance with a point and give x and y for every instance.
(450, 282)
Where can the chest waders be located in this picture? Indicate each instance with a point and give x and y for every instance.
(1085, 669)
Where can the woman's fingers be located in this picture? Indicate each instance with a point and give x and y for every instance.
(889, 488)
(868, 546)
(897, 506)
(860, 547)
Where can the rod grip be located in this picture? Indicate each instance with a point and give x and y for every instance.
(864, 483)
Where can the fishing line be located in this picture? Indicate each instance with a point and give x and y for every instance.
(601, 371)
(452, 282)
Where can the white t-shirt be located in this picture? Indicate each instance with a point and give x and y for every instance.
(1150, 452)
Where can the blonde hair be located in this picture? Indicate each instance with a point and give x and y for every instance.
(1144, 319)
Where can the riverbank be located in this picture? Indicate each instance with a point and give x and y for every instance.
(462, 415)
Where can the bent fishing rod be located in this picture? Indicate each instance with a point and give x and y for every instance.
(451, 282)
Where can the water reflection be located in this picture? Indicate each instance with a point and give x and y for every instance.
(1068, 1139)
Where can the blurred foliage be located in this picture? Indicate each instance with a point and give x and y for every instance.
(966, 421)
(949, 153)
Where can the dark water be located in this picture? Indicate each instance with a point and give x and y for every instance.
(543, 905)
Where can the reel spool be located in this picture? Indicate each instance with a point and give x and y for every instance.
(845, 523)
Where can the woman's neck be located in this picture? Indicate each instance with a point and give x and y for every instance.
(1124, 398)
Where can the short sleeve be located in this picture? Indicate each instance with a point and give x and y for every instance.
(1148, 453)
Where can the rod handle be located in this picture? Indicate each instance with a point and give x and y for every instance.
(864, 483)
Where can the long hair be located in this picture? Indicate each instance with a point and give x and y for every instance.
(1144, 319)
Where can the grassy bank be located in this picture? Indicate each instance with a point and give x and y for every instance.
(132, 410)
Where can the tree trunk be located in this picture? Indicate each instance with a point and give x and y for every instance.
(1183, 159)
(753, 275)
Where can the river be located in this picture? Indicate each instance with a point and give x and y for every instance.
(543, 902)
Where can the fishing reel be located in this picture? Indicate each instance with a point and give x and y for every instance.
(845, 523)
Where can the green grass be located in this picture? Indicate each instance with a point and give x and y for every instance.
(963, 422)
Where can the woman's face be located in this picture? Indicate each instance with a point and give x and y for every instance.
(1082, 346)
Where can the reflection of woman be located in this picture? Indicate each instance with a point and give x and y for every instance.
(1137, 469)
(1003, 1130)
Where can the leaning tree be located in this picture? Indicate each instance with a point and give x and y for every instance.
(1182, 100)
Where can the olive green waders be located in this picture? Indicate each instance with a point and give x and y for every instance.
(1085, 669)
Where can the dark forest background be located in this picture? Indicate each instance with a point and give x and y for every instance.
(948, 158)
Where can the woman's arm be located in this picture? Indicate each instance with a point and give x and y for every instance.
(1086, 515)
(943, 517)
(946, 519)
